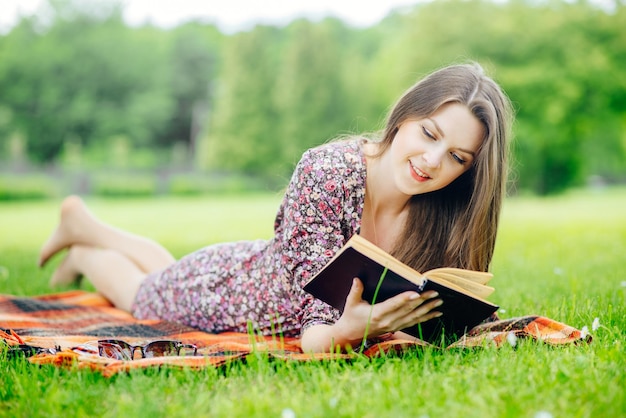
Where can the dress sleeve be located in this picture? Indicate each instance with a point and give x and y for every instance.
(317, 218)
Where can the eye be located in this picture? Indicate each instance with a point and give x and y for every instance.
(428, 133)
(458, 158)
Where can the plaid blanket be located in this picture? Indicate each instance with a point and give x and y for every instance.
(62, 329)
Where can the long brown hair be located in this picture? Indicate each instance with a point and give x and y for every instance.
(457, 225)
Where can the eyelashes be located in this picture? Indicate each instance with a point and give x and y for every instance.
(454, 156)
(458, 159)
(428, 133)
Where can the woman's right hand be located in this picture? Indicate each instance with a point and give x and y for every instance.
(360, 319)
(396, 313)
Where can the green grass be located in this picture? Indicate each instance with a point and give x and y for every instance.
(561, 257)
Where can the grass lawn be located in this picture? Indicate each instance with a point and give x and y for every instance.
(561, 257)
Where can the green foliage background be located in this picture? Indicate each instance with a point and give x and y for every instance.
(81, 89)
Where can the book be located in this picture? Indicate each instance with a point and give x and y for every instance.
(463, 291)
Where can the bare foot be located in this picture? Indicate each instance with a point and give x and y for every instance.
(67, 233)
(66, 273)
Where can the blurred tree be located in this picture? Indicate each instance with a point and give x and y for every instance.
(369, 74)
(193, 64)
(563, 90)
(77, 75)
(85, 76)
(311, 94)
(246, 122)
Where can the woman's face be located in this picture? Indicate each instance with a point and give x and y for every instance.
(430, 153)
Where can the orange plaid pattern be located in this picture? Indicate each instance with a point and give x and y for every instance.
(69, 321)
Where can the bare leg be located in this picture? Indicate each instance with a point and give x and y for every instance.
(79, 226)
(113, 275)
(66, 273)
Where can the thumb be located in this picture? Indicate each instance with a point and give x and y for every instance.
(356, 293)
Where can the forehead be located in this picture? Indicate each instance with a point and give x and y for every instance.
(456, 123)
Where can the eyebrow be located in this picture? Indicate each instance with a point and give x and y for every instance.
(434, 122)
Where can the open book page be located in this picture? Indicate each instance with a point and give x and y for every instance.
(480, 277)
(477, 289)
(465, 281)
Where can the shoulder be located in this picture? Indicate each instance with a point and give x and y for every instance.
(341, 157)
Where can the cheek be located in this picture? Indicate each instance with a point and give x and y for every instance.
(405, 141)
(398, 150)
(453, 174)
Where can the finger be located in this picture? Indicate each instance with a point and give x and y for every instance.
(427, 311)
(430, 315)
(429, 294)
(428, 306)
(407, 302)
(421, 319)
(422, 313)
(356, 293)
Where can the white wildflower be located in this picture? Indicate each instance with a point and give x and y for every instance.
(584, 332)
(511, 338)
(287, 413)
(543, 414)
(596, 324)
(623, 283)
(501, 310)
(558, 271)
(333, 402)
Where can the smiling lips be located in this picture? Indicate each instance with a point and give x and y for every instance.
(418, 174)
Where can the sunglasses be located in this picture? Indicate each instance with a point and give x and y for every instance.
(121, 350)
(25, 350)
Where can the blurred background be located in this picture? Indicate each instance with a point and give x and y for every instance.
(94, 102)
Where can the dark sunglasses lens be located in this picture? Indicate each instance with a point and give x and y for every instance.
(24, 350)
(115, 349)
(161, 348)
(187, 350)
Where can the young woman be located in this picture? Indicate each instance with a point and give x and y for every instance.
(429, 191)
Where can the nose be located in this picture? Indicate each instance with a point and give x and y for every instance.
(433, 158)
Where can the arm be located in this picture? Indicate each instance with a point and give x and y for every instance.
(320, 211)
(361, 319)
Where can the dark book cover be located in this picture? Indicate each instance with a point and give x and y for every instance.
(461, 311)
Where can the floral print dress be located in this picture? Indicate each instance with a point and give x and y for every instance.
(258, 284)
